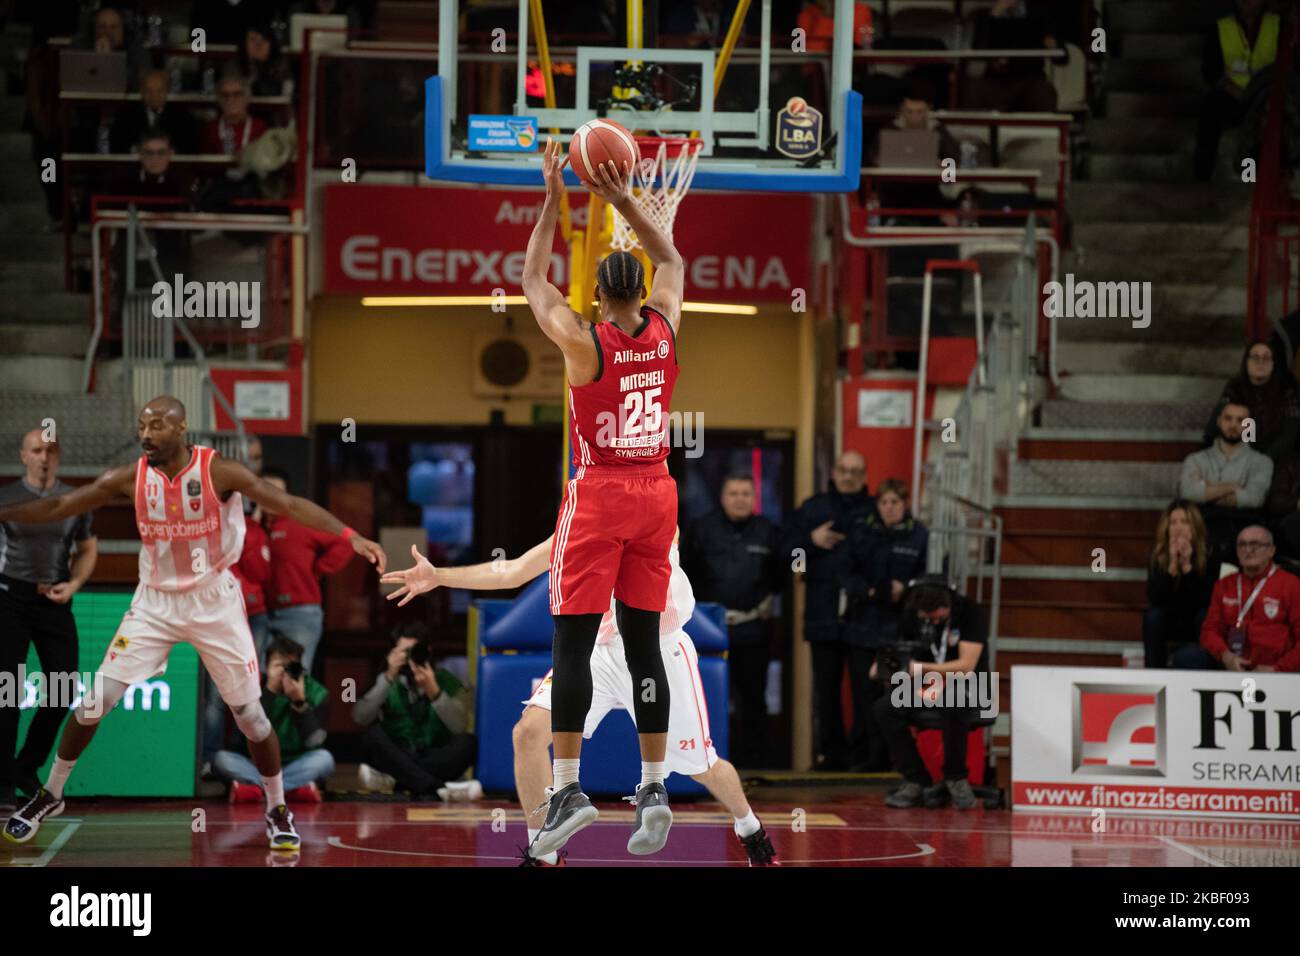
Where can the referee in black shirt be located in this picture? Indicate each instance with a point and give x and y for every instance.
(39, 573)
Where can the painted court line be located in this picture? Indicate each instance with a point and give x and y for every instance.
(484, 815)
(65, 834)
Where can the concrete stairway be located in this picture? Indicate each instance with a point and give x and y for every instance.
(1102, 456)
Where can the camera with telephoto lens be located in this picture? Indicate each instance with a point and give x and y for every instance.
(294, 670)
(916, 634)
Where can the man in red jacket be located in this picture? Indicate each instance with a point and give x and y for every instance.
(299, 556)
(1254, 619)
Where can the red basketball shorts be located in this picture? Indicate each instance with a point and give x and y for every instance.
(615, 528)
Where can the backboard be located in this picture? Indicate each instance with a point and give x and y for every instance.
(771, 102)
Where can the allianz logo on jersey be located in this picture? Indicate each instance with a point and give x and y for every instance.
(631, 355)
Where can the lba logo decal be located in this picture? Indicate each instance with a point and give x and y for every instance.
(1119, 729)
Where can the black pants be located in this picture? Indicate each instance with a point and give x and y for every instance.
(895, 725)
(419, 771)
(1218, 112)
(1162, 630)
(833, 745)
(27, 617)
(747, 665)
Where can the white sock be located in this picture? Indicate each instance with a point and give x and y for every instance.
(747, 825)
(565, 772)
(60, 770)
(274, 788)
(652, 771)
(553, 857)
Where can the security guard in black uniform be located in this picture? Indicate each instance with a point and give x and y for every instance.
(814, 540)
(731, 558)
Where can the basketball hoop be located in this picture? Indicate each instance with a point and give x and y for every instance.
(659, 184)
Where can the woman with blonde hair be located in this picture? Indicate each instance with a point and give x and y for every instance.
(1180, 579)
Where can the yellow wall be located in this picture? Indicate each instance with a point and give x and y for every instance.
(400, 366)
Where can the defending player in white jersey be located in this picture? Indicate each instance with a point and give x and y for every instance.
(690, 750)
(191, 520)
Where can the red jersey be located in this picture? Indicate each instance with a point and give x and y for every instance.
(188, 536)
(622, 417)
(253, 567)
(1272, 620)
(299, 556)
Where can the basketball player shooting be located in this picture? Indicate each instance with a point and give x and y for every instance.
(619, 512)
(191, 520)
(691, 752)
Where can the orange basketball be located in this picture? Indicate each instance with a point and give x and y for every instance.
(602, 141)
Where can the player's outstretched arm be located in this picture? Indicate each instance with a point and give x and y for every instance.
(488, 576)
(615, 187)
(230, 475)
(113, 484)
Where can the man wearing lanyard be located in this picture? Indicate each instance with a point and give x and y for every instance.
(944, 634)
(39, 573)
(1253, 623)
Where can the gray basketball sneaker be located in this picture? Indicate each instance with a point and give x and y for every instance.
(567, 811)
(653, 819)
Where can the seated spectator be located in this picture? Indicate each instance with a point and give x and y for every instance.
(1238, 49)
(916, 112)
(1254, 619)
(1229, 480)
(298, 708)
(1265, 385)
(817, 20)
(153, 112)
(888, 549)
(1017, 84)
(154, 177)
(935, 624)
(262, 62)
(415, 718)
(108, 34)
(1180, 577)
(234, 128)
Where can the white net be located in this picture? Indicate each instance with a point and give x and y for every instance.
(658, 186)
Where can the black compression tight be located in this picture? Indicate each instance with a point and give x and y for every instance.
(645, 661)
(575, 637)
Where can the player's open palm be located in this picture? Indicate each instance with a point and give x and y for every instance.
(414, 581)
(611, 183)
(553, 163)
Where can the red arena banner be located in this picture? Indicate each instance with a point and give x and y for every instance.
(406, 240)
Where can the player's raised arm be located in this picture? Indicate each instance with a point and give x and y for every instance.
(488, 576)
(230, 475)
(113, 484)
(560, 323)
(615, 187)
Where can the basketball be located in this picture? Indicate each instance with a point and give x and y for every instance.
(602, 141)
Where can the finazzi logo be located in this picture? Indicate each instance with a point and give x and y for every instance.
(1119, 729)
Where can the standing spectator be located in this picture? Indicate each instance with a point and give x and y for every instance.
(1012, 84)
(1180, 579)
(41, 567)
(1264, 384)
(298, 708)
(153, 112)
(416, 717)
(1254, 619)
(262, 62)
(299, 557)
(814, 540)
(731, 558)
(1229, 480)
(887, 549)
(1238, 48)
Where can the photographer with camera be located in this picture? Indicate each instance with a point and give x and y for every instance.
(415, 717)
(298, 707)
(939, 632)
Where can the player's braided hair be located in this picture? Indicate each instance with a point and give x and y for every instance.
(621, 277)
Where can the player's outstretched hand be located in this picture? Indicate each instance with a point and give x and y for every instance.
(611, 183)
(371, 551)
(554, 160)
(414, 580)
